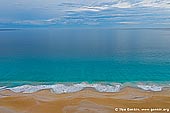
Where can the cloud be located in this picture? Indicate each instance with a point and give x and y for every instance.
(85, 12)
(154, 3)
(103, 7)
(97, 6)
(88, 8)
(129, 23)
(123, 5)
(37, 22)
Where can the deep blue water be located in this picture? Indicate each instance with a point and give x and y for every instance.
(89, 55)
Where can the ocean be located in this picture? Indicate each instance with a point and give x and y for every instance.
(40, 58)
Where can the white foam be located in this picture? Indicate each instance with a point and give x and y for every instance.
(150, 87)
(101, 87)
(2, 88)
(70, 88)
(29, 88)
(63, 88)
(107, 88)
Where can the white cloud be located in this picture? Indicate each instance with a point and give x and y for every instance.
(122, 5)
(107, 4)
(87, 8)
(154, 3)
(91, 12)
(103, 7)
(37, 22)
(129, 23)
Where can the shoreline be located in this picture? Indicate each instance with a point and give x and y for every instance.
(87, 100)
(61, 88)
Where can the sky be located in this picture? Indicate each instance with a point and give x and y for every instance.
(85, 13)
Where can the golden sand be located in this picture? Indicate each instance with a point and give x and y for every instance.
(128, 100)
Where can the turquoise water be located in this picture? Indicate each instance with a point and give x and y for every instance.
(84, 55)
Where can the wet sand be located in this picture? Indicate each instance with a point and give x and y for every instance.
(86, 101)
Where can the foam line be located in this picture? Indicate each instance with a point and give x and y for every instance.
(70, 88)
(150, 87)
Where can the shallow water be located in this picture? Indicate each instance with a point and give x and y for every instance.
(84, 55)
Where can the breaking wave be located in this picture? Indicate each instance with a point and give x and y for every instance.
(63, 88)
(70, 88)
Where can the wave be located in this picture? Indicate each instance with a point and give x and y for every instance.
(150, 87)
(64, 88)
(70, 88)
(2, 88)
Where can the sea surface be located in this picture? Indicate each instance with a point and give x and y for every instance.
(48, 58)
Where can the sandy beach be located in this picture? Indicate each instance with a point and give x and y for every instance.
(129, 100)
